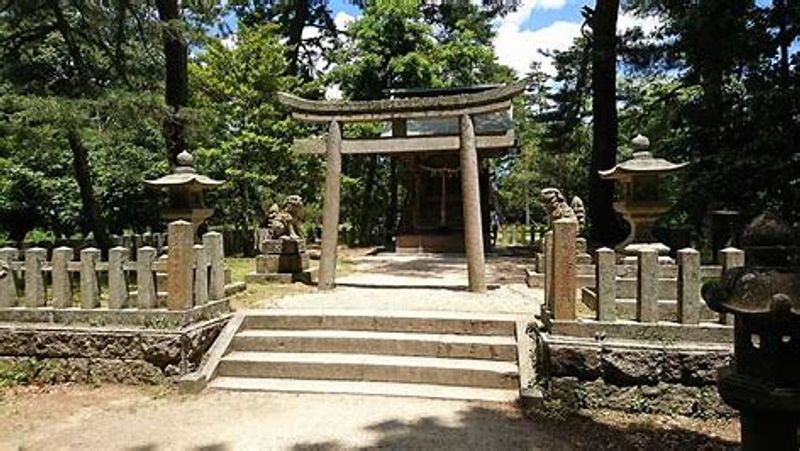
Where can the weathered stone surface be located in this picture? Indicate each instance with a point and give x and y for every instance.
(200, 274)
(286, 263)
(730, 257)
(583, 363)
(330, 209)
(471, 204)
(689, 281)
(145, 281)
(62, 286)
(180, 265)
(117, 283)
(565, 231)
(88, 371)
(667, 399)
(283, 246)
(8, 289)
(606, 288)
(647, 287)
(266, 264)
(548, 269)
(624, 365)
(90, 287)
(216, 255)
(34, 277)
(107, 355)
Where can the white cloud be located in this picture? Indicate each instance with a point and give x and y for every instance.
(342, 20)
(334, 92)
(230, 41)
(517, 47)
(648, 24)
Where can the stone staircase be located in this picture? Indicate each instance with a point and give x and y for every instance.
(422, 354)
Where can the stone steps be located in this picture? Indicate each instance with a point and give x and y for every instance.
(423, 354)
(369, 367)
(422, 322)
(364, 388)
(489, 347)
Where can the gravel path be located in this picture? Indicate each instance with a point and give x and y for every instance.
(427, 282)
(113, 418)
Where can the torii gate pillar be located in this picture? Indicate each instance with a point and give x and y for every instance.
(330, 209)
(471, 201)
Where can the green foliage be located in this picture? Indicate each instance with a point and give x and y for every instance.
(16, 372)
(247, 137)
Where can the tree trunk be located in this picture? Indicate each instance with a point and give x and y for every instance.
(295, 37)
(784, 38)
(365, 231)
(177, 79)
(604, 128)
(391, 214)
(83, 176)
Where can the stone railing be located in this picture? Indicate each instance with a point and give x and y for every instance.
(237, 242)
(515, 235)
(35, 288)
(655, 302)
(129, 241)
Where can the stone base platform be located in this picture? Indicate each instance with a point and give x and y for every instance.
(58, 353)
(638, 376)
(283, 260)
(306, 277)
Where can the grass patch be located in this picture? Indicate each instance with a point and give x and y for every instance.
(261, 296)
(16, 372)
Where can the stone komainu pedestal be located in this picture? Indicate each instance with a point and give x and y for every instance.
(283, 260)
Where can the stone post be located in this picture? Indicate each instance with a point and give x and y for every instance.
(146, 287)
(180, 264)
(159, 243)
(547, 244)
(215, 254)
(606, 284)
(647, 286)
(62, 286)
(90, 288)
(8, 289)
(565, 231)
(689, 280)
(471, 201)
(730, 257)
(330, 212)
(117, 284)
(200, 275)
(34, 277)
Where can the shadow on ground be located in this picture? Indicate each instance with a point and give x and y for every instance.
(483, 428)
(462, 288)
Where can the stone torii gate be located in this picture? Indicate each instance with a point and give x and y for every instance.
(398, 111)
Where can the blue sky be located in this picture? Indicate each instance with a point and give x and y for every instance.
(536, 25)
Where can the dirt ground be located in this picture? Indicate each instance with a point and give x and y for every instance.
(117, 417)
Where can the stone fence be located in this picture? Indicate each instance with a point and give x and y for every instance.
(642, 340)
(621, 296)
(237, 242)
(35, 289)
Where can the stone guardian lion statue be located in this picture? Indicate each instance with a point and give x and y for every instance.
(285, 223)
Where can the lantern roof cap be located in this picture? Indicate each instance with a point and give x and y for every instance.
(643, 162)
(184, 175)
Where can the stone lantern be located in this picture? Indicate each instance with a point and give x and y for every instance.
(640, 201)
(186, 190)
(764, 298)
